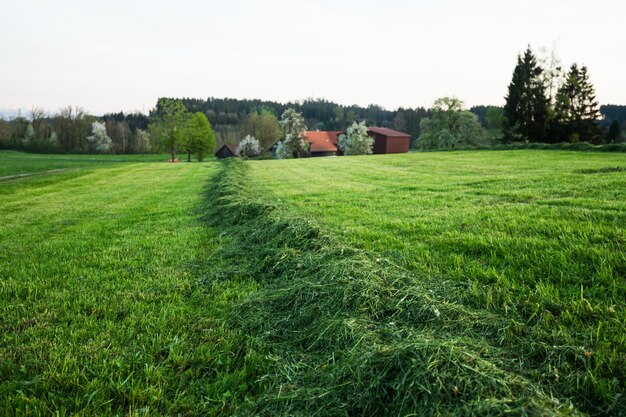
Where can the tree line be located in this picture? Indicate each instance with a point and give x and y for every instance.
(544, 103)
(231, 120)
(68, 131)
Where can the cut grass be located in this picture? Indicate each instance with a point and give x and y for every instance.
(100, 312)
(528, 247)
(460, 283)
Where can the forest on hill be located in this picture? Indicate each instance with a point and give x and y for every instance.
(66, 130)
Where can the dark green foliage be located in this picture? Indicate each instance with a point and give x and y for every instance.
(577, 114)
(526, 107)
(450, 126)
(481, 112)
(168, 124)
(612, 112)
(133, 120)
(227, 115)
(264, 127)
(615, 133)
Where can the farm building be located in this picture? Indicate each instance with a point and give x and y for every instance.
(388, 140)
(226, 151)
(324, 143)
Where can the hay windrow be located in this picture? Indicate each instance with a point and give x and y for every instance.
(352, 334)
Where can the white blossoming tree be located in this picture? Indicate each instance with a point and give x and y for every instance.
(99, 138)
(293, 128)
(248, 147)
(356, 141)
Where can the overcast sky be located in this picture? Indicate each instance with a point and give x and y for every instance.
(122, 55)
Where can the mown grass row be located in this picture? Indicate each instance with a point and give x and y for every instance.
(351, 333)
(535, 238)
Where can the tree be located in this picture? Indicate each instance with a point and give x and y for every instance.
(18, 132)
(577, 111)
(200, 138)
(142, 139)
(552, 72)
(249, 147)
(5, 133)
(40, 127)
(99, 138)
(263, 126)
(293, 128)
(72, 125)
(526, 107)
(450, 126)
(614, 133)
(356, 141)
(29, 137)
(168, 124)
(495, 123)
(495, 118)
(399, 122)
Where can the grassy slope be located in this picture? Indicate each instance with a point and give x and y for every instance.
(100, 313)
(536, 238)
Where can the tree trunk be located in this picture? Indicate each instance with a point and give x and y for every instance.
(172, 152)
(188, 156)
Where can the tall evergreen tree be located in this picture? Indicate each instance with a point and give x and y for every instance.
(526, 107)
(577, 111)
(614, 133)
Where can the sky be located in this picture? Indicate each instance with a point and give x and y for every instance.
(123, 55)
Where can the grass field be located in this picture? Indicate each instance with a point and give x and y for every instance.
(14, 163)
(457, 283)
(100, 311)
(535, 239)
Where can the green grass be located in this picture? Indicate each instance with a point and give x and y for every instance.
(100, 308)
(459, 283)
(17, 163)
(535, 240)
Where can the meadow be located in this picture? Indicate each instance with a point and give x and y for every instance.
(533, 243)
(455, 283)
(23, 164)
(100, 311)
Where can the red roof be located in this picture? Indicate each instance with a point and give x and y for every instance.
(387, 132)
(321, 141)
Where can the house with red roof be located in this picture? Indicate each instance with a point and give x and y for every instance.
(324, 143)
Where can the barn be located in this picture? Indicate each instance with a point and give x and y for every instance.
(388, 140)
(226, 151)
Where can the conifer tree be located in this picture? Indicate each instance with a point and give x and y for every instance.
(615, 132)
(577, 111)
(526, 107)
